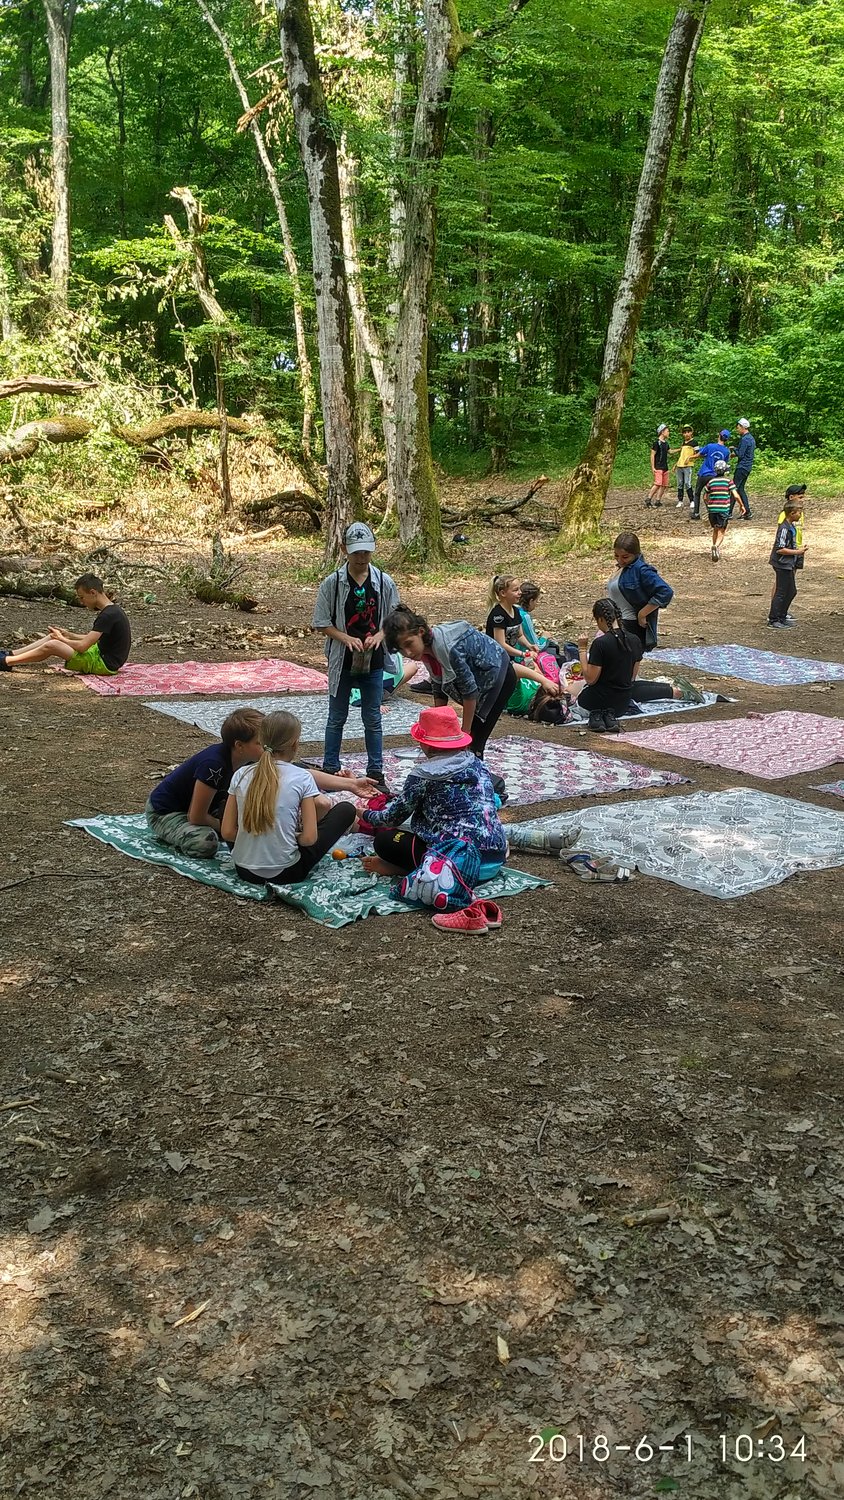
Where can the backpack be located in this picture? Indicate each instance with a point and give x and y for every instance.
(445, 879)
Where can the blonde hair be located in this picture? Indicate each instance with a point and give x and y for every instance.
(280, 734)
(500, 582)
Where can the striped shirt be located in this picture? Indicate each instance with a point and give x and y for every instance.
(720, 491)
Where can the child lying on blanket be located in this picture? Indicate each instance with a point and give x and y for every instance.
(448, 796)
(185, 809)
(279, 826)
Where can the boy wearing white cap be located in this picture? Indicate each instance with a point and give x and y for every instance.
(745, 454)
(659, 466)
(350, 610)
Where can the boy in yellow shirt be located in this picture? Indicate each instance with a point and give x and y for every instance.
(684, 467)
(793, 496)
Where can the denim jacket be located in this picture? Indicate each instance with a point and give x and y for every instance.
(330, 609)
(473, 664)
(641, 584)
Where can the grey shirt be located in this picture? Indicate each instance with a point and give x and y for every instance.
(330, 609)
(618, 599)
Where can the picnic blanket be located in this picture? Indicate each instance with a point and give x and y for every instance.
(580, 716)
(723, 844)
(536, 771)
(769, 667)
(769, 746)
(175, 678)
(338, 891)
(312, 711)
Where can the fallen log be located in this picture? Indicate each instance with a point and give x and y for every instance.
(184, 420)
(43, 385)
(27, 439)
(211, 593)
(285, 502)
(19, 586)
(490, 507)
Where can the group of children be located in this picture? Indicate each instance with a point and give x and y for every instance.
(251, 791)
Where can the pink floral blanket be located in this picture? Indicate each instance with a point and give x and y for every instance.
(770, 746)
(175, 679)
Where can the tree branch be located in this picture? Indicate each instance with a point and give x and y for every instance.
(43, 385)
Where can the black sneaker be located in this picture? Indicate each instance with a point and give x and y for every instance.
(596, 722)
(422, 687)
(379, 778)
(611, 723)
(747, 516)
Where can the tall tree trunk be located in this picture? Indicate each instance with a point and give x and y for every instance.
(587, 489)
(417, 502)
(60, 15)
(318, 148)
(303, 359)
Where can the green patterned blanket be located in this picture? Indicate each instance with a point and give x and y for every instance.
(338, 892)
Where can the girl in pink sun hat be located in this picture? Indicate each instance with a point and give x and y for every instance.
(448, 795)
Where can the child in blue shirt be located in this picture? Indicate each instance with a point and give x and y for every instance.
(710, 454)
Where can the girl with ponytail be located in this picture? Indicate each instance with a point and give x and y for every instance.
(272, 814)
(610, 667)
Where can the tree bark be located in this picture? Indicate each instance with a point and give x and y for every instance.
(587, 489)
(318, 148)
(250, 122)
(42, 385)
(60, 15)
(682, 152)
(417, 502)
(25, 441)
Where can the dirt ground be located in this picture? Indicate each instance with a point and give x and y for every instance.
(290, 1212)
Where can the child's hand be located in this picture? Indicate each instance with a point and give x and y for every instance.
(804, 548)
(583, 641)
(56, 633)
(352, 643)
(553, 689)
(363, 787)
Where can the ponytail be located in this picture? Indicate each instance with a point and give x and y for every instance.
(500, 581)
(261, 796)
(608, 611)
(280, 734)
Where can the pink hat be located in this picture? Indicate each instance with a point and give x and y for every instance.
(439, 729)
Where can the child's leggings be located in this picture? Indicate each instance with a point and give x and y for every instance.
(330, 828)
(396, 846)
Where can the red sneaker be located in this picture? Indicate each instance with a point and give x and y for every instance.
(471, 921)
(491, 912)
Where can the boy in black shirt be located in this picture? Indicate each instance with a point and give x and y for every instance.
(101, 650)
(659, 467)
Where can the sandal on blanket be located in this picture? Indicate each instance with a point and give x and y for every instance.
(597, 868)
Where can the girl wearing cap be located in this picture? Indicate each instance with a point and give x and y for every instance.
(659, 466)
(449, 795)
(350, 610)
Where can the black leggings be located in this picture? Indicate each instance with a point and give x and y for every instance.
(786, 592)
(331, 827)
(641, 692)
(398, 847)
(482, 728)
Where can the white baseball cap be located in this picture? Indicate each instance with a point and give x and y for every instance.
(742, 422)
(359, 538)
(661, 428)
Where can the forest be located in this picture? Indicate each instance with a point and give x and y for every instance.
(161, 238)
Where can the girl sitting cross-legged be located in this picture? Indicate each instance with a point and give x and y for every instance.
(274, 817)
(448, 795)
(611, 669)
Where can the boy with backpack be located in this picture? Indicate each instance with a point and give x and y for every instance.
(350, 610)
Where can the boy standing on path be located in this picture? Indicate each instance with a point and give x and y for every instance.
(350, 610)
(783, 560)
(659, 467)
(684, 468)
(745, 454)
(102, 650)
(709, 453)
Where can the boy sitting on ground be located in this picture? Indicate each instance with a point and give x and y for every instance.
(102, 650)
(185, 809)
